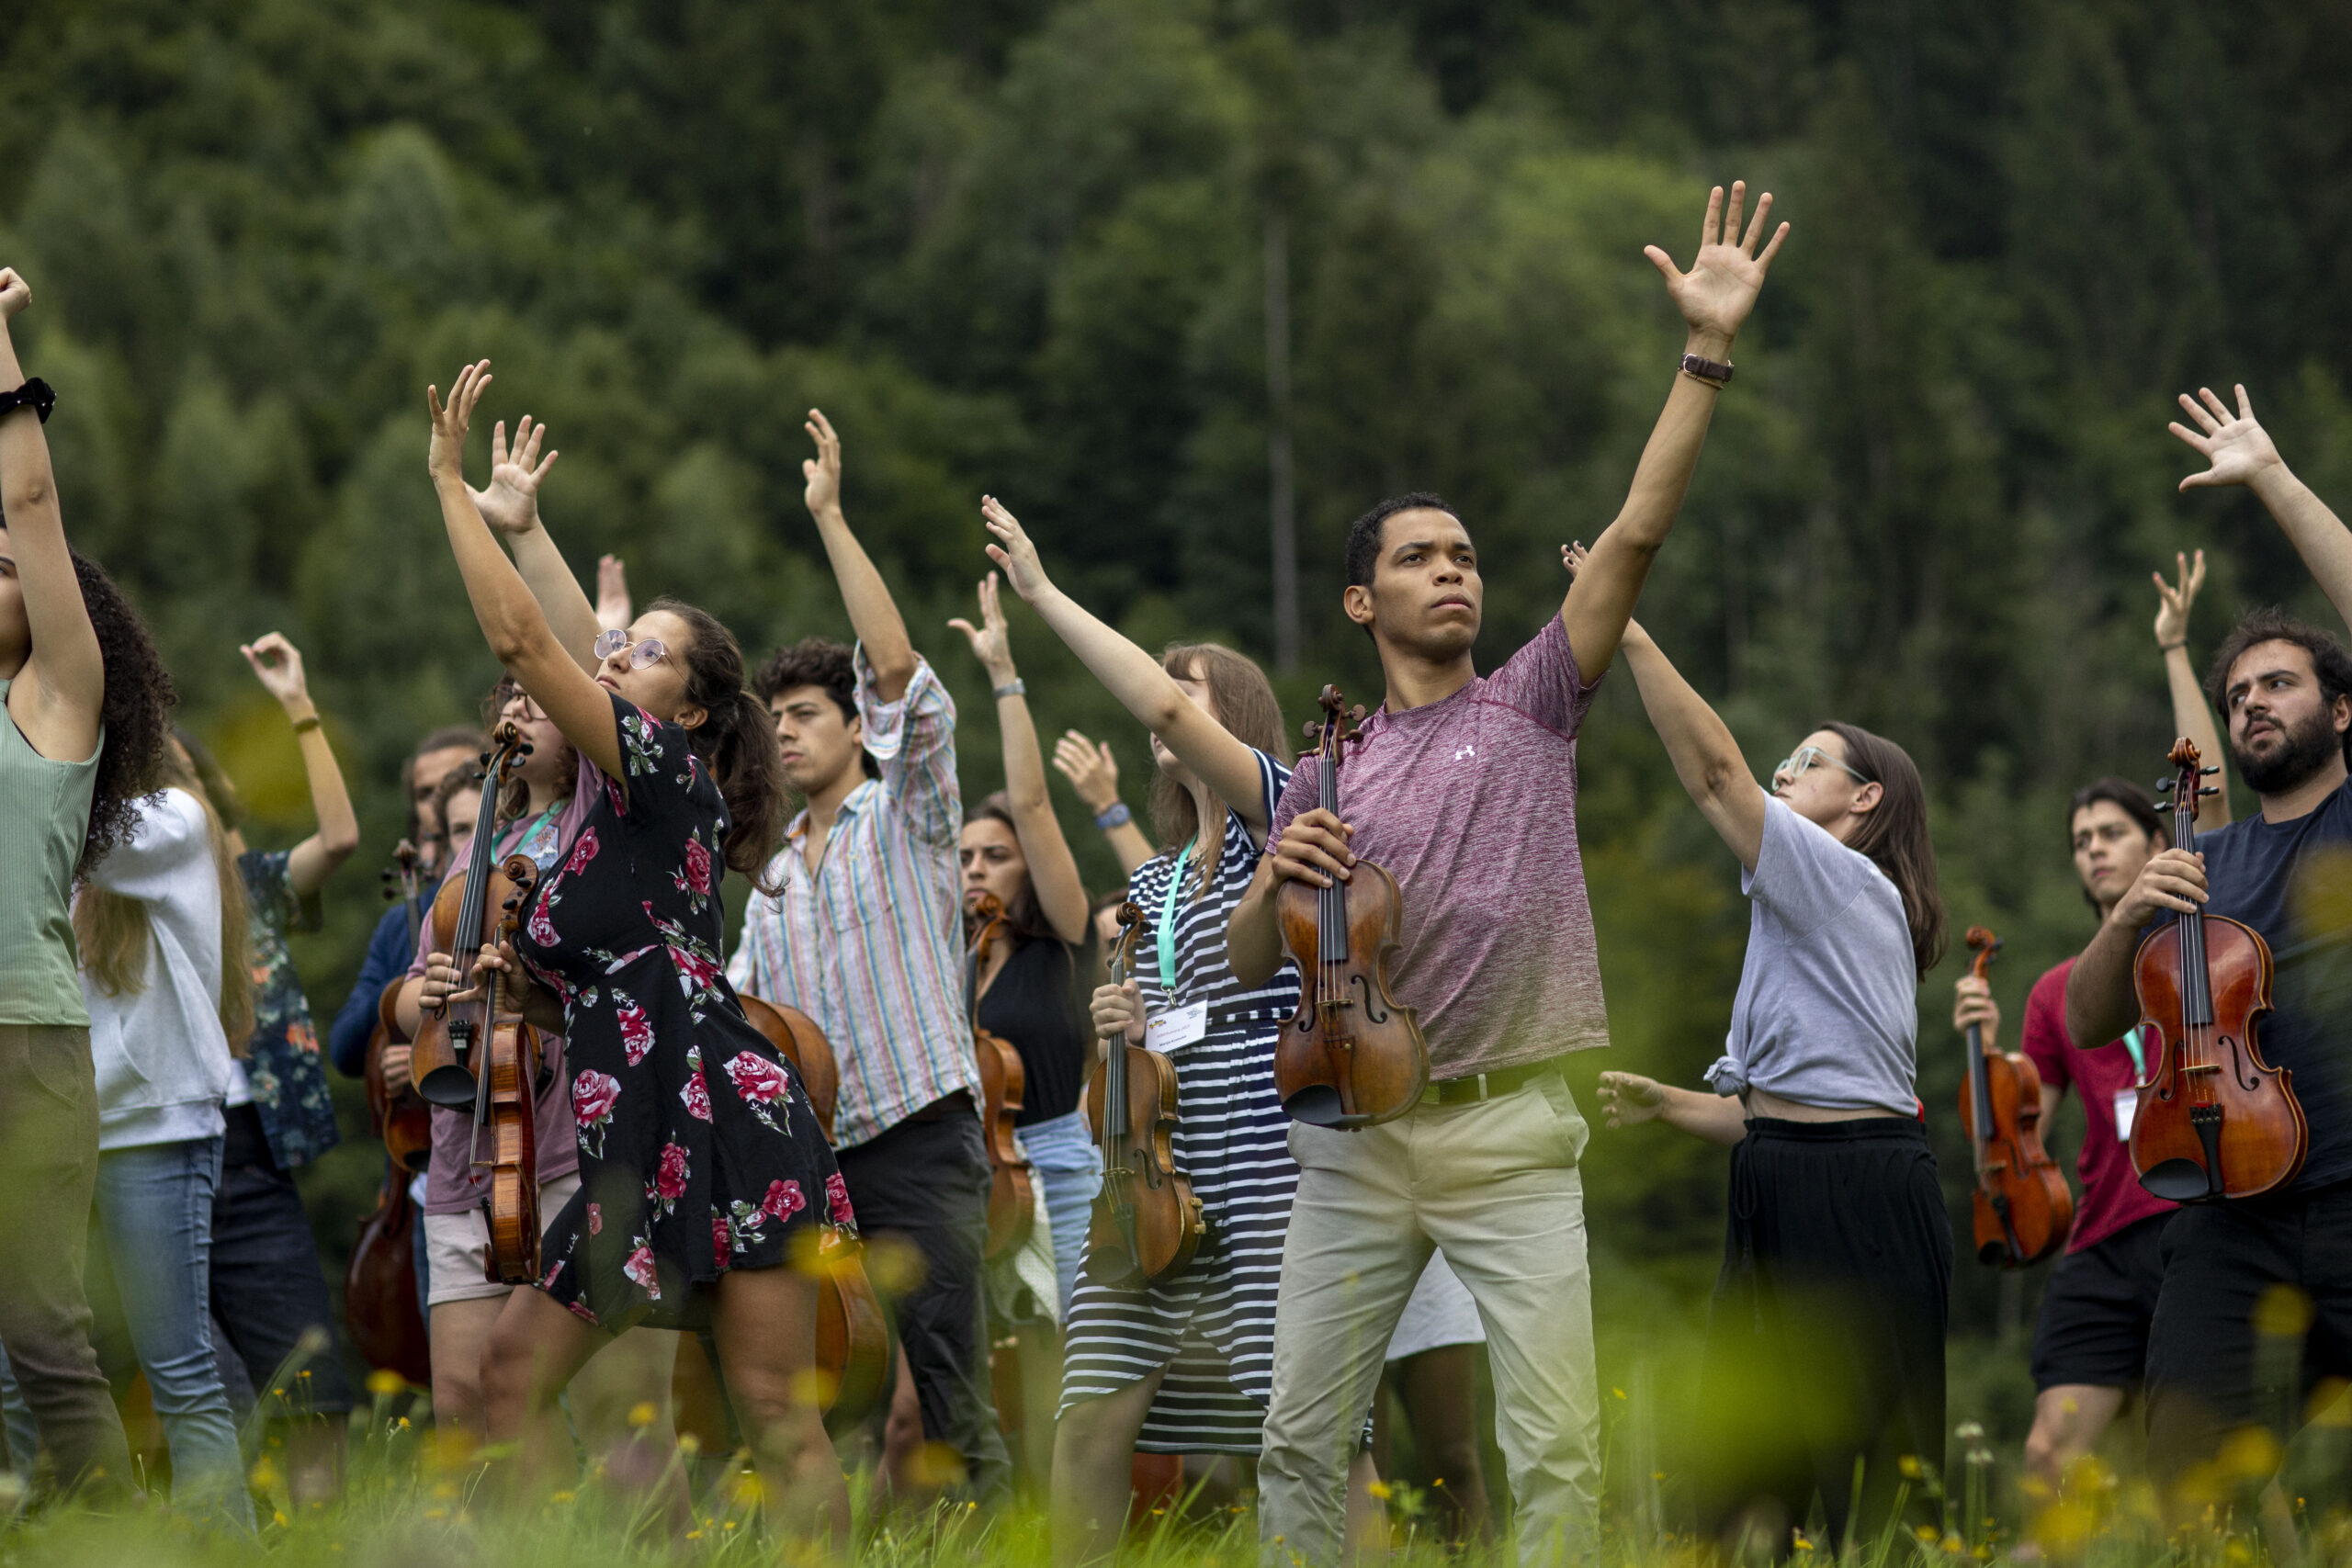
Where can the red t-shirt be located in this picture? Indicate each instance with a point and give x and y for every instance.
(2112, 1197)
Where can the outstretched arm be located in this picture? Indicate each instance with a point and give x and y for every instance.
(1053, 870)
(873, 614)
(2239, 452)
(1706, 758)
(1134, 677)
(1715, 297)
(2190, 717)
(510, 506)
(511, 617)
(57, 693)
(277, 664)
(1631, 1098)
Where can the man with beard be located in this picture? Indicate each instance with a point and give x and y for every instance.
(2256, 1302)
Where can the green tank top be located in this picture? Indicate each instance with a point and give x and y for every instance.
(44, 814)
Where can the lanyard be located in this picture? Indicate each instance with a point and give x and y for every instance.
(2139, 1058)
(1168, 923)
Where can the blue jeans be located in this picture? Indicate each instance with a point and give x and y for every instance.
(1069, 1168)
(154, 1207)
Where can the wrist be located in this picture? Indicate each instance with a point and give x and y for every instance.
(2274, 478)
(1007, 685)
(1113, 816)
(2179, 646)
(1709, 343)
(298, 709)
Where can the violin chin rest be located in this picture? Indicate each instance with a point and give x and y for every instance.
(1317, 1105)
(2180, 1181)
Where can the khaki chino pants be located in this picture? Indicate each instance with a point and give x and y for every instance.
(1493, 1185)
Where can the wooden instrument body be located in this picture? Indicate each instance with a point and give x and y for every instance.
(2259, 1135)
(2018, 1170)
(1353, 1056)
(380, 1294)
(1012, 1192)
(404, 1121)
(1146, 1224)
(505, 1140)
(853, 1344)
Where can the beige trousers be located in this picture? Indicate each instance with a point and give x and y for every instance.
(1494, 1186)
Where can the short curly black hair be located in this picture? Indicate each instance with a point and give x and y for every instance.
(815, 661)
(137, 714)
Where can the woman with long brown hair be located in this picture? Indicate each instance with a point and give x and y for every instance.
(1825, 1349)
(700, 1154)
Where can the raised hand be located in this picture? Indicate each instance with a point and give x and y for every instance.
(1629, 1098)
(1719, 289)
(1092, 771)
(15, 293)
(990, 643)
(444, 456)
(2172, 603)
(612, 607)
(823, 471)
(277, 664)
(2237, 446)
(1013, 549)
(511, 504)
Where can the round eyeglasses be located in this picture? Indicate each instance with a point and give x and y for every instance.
(643, 652)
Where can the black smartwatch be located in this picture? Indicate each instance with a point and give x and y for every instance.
(35, 394)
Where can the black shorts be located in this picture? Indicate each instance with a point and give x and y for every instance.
(2097, 1308)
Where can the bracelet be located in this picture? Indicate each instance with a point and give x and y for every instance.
(1714, 372)
(1012, 688)
(35, 394)
(1116, 814)
(2169, 647)
(302, 724)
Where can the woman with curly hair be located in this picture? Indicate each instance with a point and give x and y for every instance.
(86, 700)
(701, 1158)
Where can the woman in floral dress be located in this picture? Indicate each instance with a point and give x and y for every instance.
(700, 1154)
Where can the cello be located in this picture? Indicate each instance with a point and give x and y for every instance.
(1147, 1222)
(380, 1294)
(2213, 1121)
(1353, 1056)
(854, 1348)
(1012, 1195)
(2024, 1209)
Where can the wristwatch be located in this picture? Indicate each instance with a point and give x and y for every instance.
(35, 394)
(1714, 372)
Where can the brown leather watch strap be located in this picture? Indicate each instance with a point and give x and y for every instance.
(1713, 372)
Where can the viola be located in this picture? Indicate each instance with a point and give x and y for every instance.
(1353, 1056)
(854, 1348)
(441, 1063)
(1012, 1194)
(1147, 1222)
(2213, 1121)
(379, 1296)
(2023, 1207)
(511, 1066)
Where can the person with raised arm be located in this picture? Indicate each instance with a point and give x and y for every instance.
(88, 704)
(1179, 1366)
(860, 925)
(1465, 788)
(2284, 689)
(700, 1154)
(2090, 1341)
(1026, 987)
(1093, 773)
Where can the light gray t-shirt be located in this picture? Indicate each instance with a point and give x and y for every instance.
(1828, 1011)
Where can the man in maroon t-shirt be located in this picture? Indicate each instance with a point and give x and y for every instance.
(2092, 1341)
(1464, 789)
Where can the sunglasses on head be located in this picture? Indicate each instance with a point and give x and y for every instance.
(643, 652)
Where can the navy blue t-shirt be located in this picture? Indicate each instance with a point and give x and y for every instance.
(2290, 882)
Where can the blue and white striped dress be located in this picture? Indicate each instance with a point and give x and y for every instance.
(1213, 1325)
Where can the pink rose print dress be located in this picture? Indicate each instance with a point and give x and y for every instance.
(699, 1151)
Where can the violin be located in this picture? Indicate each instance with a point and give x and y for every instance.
(442, 1063)
(379, 1287)
(1353, 1056)
(511, 1065)
(1012, 1194)
(2213, 1121)
(853, 1348)
(2024, 1208)
(1147, 1222)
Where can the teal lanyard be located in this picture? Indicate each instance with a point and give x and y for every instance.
(1168, 923)
(2139, 1058)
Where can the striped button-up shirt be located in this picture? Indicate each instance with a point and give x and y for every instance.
(872, 946)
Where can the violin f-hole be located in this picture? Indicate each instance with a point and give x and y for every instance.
(1372, 1011)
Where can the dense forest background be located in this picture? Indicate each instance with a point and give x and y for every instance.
(1030, 248)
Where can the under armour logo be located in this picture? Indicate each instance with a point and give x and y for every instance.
(1466, 750)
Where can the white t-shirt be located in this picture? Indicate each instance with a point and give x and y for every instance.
(1827, 1012)
(161, 1055)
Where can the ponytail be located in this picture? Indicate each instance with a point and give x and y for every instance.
(735, 741)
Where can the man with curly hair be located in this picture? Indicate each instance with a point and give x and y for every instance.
(86, 701)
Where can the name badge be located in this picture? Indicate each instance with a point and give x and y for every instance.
(1170, 1032)
(2127, 1101)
